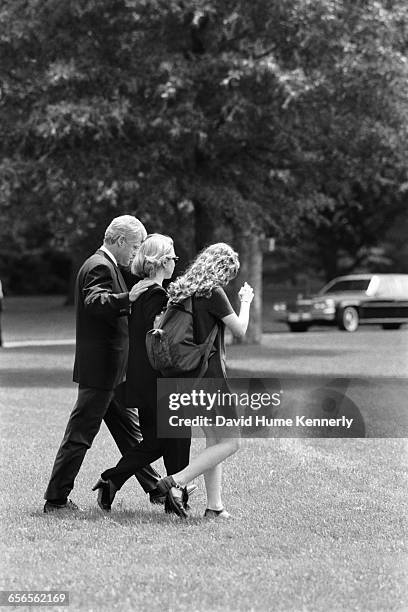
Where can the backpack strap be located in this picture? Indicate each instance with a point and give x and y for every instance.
(210, 342)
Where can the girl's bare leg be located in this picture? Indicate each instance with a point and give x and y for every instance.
(213, 485)
(207, 459)
(213, 481)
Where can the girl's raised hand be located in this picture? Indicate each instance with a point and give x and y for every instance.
(246, 293)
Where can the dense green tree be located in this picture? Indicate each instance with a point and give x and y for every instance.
(209, 120)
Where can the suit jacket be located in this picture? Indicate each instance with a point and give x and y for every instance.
(102, 337)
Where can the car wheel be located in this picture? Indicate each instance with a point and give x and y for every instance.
(298, 327)
(349, 319)
(391, 325)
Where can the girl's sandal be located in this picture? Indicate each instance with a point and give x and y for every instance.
(221, 514)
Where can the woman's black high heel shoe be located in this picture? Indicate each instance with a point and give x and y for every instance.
(176, 496)
(106, 493)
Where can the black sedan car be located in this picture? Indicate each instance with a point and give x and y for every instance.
(353, 300)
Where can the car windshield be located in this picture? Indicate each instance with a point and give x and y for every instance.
(355, 284)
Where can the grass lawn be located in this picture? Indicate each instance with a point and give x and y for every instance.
(319, 523)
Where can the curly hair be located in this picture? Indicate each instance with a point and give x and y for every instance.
(153, 254)
(214, 267)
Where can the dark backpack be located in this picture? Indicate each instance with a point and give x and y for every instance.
(171, 348)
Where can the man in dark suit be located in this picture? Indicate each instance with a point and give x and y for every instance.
(1, 310)
(103, 304)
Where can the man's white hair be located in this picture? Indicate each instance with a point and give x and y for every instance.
(127, 226)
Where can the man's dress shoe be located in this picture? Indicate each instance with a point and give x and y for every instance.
(67, 506)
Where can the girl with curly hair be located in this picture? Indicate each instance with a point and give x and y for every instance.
(205, 280)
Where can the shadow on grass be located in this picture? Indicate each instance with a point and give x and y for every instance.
(49, 349)
(36, 377)
(283, 353)
(120, 517)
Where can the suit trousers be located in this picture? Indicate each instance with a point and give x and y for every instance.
(175, 453)
(93, 406)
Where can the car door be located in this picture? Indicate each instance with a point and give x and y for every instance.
(385, 304)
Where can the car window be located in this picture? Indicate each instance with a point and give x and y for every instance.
(402, 287)
(353, 284)
(387, 287)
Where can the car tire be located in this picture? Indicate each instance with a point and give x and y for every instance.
(391, 325)
(348, 319)
(298, 327)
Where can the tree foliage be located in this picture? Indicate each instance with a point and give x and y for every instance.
(287, 117)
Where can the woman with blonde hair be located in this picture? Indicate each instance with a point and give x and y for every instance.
(155, 260)
(204, 281)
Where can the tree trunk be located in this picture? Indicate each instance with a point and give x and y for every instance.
(329, 257)
(251, 258)
(204, 226)
(76, 263)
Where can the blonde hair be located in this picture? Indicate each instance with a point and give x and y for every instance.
(153, 254)
(214, 267)
(127, 226)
